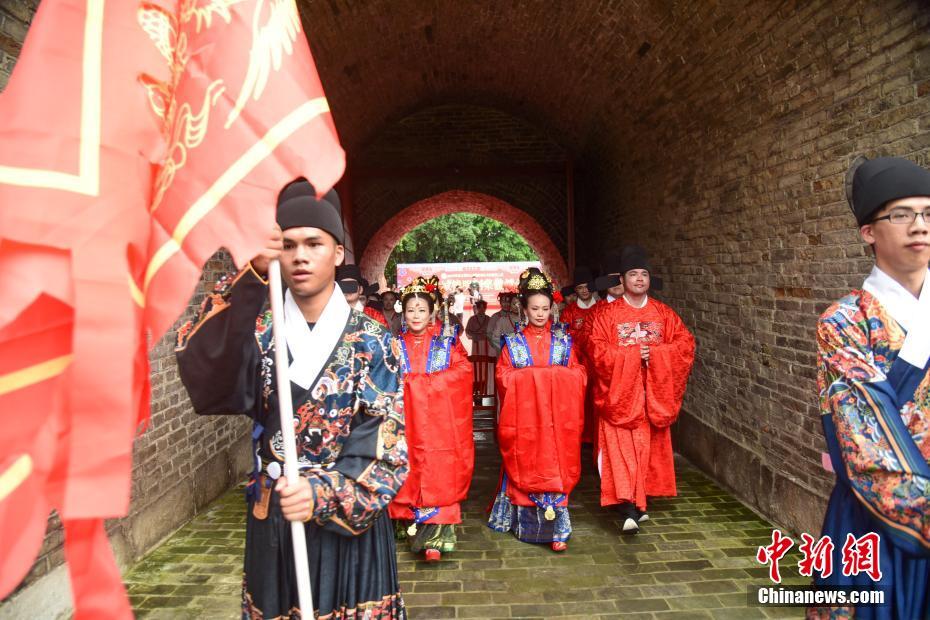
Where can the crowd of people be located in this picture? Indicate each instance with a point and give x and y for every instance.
(382, 389)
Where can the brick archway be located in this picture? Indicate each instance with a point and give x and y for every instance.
(376, 253)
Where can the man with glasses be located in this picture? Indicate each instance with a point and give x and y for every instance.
(874, 380)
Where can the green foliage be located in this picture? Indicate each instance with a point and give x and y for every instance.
(459, 238)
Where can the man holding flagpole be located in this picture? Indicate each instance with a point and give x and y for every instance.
(348, 419)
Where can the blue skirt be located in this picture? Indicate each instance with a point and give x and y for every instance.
(528, 523)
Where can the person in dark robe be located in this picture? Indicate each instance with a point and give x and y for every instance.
(643, 353)
(542, 385)
(438, 408)
(356, 289)
(874, 380)
(348, 418)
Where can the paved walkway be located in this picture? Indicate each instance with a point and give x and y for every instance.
(694, 559)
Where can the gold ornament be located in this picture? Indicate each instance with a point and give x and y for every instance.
(412, 530)
(550, 513)
(537, 283)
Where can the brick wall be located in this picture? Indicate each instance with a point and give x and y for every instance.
(416, 158)
(731, 172)
(15, 16)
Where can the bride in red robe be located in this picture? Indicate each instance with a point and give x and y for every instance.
(643, 354)
(437, 380)
(542, 386)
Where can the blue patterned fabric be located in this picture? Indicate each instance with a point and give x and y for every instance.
(560, 350)
(529, 523)
(438, 359)
(876, 407)
(519, 349)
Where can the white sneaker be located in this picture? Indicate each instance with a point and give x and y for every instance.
(643, 517)
(630, 526)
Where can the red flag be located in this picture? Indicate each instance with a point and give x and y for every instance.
(166, 133)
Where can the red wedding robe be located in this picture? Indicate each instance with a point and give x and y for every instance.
(636, 402)
(542, 415)
(577, 319)
(441, 449)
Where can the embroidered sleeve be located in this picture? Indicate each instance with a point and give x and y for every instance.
(881, 466)
(218, 355)
(372, 465)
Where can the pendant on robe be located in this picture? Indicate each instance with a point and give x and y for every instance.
(412, 530)
(550, 513)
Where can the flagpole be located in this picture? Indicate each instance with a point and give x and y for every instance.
(286, 411)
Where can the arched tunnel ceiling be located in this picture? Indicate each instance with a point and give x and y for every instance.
(558, 64)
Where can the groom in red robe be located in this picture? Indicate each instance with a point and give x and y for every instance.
(643, 355)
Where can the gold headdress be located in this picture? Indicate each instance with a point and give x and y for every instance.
(535, 281)
(422, 286)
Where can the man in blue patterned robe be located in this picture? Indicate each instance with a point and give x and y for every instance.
(874, 377)
(348, 415)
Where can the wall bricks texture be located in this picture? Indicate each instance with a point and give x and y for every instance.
(416, 158)
(15, 16)
(731, 171)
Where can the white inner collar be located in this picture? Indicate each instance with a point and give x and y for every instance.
(632, 305)
(912, 313)
(584, 305)
(311, 348)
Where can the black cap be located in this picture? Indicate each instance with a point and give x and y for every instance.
(582, 275)
(299, 207)
(349, 278)
(634, 257)
(877, 182)
(610, 270)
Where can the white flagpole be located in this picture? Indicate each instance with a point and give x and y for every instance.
(286, 410)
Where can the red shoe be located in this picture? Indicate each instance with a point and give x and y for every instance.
(558, 546)
(433, 555)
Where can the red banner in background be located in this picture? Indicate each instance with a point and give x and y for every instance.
(492, 278)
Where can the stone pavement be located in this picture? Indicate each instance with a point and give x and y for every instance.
(694, 559)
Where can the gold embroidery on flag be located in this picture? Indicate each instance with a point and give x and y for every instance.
(24, 377)
(182, 129)
(231, 177)
(269, 44)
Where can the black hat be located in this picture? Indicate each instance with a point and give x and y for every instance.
(567, 290)
(630, 257)
(298, 206)
(634, 257)
(877, 182)
(610, 268)
(349, 278)
(370, 288)
(582, 275)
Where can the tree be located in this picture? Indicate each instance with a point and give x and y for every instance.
(459, 238)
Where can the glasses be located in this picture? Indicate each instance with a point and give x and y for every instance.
(904, 217)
